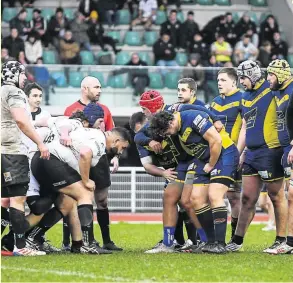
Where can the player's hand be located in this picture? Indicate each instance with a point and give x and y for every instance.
(115, 162)
(290, 156)
(65, 139)
(218, 125)
(90, 185)
(155, 146)
(241, 160)
(208, 168)
(170, 174)
(45, 154)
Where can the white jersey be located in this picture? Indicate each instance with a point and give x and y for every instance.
(92, 138)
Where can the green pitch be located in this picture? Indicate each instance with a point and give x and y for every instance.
(133, 265)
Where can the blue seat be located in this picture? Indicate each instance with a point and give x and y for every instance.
(132, 38)
(205, 2)
(156, 81)
(47, 13)
(290, 60)
(181, 59)
(258, 3)
(117, 81)
(9, 14)
(150, 37)
(49, 57)
(171, 80)
(222, 2)
(115, 34)
(145, 56)
(29, 15)
(122, 58)
(87, 57)
(161, 17)
(59, 79)
(180, 17)
(123, 17)
(75, 78)
(69, 13)
(99, 76)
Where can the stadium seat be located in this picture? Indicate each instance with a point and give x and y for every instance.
(253, 17)
(49, 57)
(235, 16)
(181, 59)
(69, 13)
(161, 17)
(118, 81)
(171, 79)
(75, 78)
(8, 14)
(123, 17)
(59, 79)
(205, 2)
(122, 58)
(180, 17)
(213, 86)
(144, 56)
(29, 15)
(99, 76)
(290, 60)
(150, 37)
(87, 57)
(132, 38)
(258, 3)
(222, 2)
(115, 34)
(47, 13)
(156, 81)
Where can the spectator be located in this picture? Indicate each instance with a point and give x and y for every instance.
(254, 37)
(280, 47)
(39, 25)
(188, 29)
(96, 34)
(265, 54)
(230, 29)
(79, 29)
(245, 50)
(57, 26)
(164, 51)
(87, 6)
(107, 11)
(221, 49)
(164, 3)
(222, 28)
(33, 48)
(213, 27)
(173, 27)
(69, 49)
(5, 55)
(268, 28)
(147, 10)
(42, 77)
(13, 43)
(195, 72)
(28, 70)
(27, 3)
(244, 24)
(19, 22)
(132, 4)
(198, 46)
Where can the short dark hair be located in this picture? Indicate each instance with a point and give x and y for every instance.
(28, 88)
(138, 117)
(59, 9)
(78, 115)
(173, 11)
(191, 83)
(231, 73)
(123, 133)
(159, 124)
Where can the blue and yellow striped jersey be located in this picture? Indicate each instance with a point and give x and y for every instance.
(228, 109)
(259, 109)
(282, 98)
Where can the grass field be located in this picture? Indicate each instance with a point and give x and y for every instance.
(133, 265)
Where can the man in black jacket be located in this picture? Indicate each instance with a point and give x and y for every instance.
(198, 46)
(188, 29)
(19, 22)
(244, 24)
(39, 25)
(280, 47)
(13, 43)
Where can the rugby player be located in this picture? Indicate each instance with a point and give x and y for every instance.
(215, 164)
(281, 82)
(227, 106)
(263, 154)
(16, 128)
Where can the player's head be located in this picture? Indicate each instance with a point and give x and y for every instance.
(163, 124)
(79, 115)
(249, 73)
(119, 140)
(227, 80)
(186, 90)
(95, 116)
(151, 102)
(91, 88)
(137, 121)
(13, 73)
(34, 93)
(278, 73)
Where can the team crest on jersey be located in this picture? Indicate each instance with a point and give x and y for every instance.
(281, 121)
(7, 176)
(250, 118)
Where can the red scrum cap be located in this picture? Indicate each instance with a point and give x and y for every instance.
(152, 100)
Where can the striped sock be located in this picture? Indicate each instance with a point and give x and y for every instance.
(220, 223)
(205, 218)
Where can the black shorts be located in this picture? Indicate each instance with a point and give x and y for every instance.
(52, 174)
(100, 174)
(14, 175)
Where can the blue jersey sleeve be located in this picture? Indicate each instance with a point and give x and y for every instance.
(141, 137)
(200, 122)
(184, 107)
(143, 152)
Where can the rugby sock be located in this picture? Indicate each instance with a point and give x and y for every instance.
(234, 222)
(66, 231)
(205, 218)
(19, 226)
(168, 236)
(4, 218)
(104, 223)
(220, 222)
(238, 239)
(202, 235)
(85, 214)
(280, 239)
(76, 244)
(191, 231)
(178, 235)
(290, 241)
(49, 220)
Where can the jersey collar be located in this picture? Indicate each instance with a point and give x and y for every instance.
(258, 84)
(286, 83)
(192, 100)
(34, 114)
(232, 92)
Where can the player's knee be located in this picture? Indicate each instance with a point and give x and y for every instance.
(169, 198)
(248, 201)
(196, 200)
(290, 194)
(102, 204)
(186, 203)
(39, 206)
